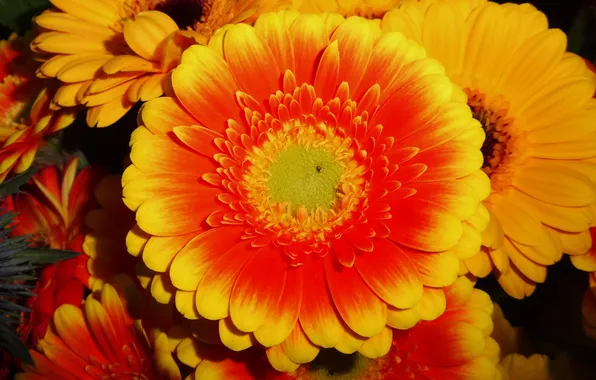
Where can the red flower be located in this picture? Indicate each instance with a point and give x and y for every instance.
(51, 211)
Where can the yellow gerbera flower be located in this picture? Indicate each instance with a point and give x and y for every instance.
(534, 101)
(305, 183)
(112, 53)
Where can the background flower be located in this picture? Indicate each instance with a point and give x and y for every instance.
(100, 339)
(25, 116)
(105, 244)
(112, 54)
(219, 215)
(51, 211)
(537, 111)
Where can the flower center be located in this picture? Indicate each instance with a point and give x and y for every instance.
(185, 12)
(305, 176)
(496, 147)
(303, 181)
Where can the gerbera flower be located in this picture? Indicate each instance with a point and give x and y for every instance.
(364, 8)
(25, 116)
(534, 102)
(301, 196)
(111, 54)
(105, 244)
(100, 340)
(455, 346)
(51, 211)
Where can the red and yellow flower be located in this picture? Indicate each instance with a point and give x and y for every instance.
(105, 244)
(25, 115)
(455, 346)
(51, 210)
(111, 54)
(534, 101)
(305, 185)
(100, 340)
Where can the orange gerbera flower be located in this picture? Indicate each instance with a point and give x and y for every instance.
(105, 244)
(100, 340)
(305, 184)
(455, 346)
(112, 53)
(25, 116)
(536, 109)
(51, 210)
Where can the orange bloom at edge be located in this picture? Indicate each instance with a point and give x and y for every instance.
(100, 340)
(51, 210)
(25, 115)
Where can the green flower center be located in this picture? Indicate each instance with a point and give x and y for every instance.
(305, 176)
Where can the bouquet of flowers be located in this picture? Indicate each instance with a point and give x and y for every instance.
(308, 189)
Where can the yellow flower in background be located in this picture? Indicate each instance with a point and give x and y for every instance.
(101, 340)
(519, 367)
(105, 244)
(534, 101)
(109, 54)
(301, 197)
(363, 8)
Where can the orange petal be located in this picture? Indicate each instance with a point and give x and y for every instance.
(251, 62)
(361, 309)
(423, 225)
(193, 261)
(390, 274)
(160, 251)
(318, 316)
(309, 38)
(215, 288)
(280, 321)
(204, 85)
(258, 289)
(161, 115)
(274, 32)
(298, 347)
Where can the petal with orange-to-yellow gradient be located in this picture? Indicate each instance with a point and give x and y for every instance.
(215, 288)
(318, 316)
(258, 289)
(161, 115)
(309, 38)
(251, 62)
(280, 321)
(360, 308)
(423, 225)
(191, 263)
(397, 280)
(205, 87)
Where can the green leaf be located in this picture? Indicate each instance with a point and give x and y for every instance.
(11, 342)
(576, 35)
(44, 255)
(17, 14)
(14, 184)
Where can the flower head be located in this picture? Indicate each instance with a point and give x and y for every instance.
(534, 101)
(25, 115)
(100, 340)
(111, 54)
(105, 244)
(305, 184)
(51, 211)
